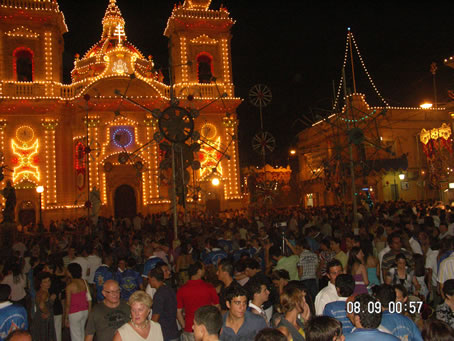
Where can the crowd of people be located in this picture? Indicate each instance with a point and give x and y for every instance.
(278, 274)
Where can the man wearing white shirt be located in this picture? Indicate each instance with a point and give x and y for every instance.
(259, 293)
(432, 271)
(329, 293)
(94, 262)
(380, 259)
(415, 246)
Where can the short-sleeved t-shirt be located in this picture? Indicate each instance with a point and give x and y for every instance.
(193, 295)
(289, 264)
(104, 321)
(165, 304)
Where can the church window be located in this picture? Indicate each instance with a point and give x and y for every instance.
(204, 68)
(23, 64)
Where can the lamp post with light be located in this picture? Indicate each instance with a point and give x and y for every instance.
(40, 190)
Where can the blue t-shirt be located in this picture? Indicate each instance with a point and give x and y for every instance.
(12, 317)
(251, 326)
(338, 310)
(401, 326)
(215, 256)
(102, 274)
(150, 264)
(129, 282)
(369, 335)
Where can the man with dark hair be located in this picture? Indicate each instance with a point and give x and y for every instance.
(307, 267)
(254, 271)
(193, 295)
(395, 244)
(150, 263)
(329, 293)
(12, 316)
(239, 324)
(215, 253)
(345, 285)
(366, 320)
(324, 328)
(102, 274)
(207, 323)
(225, 275)
(164, 310)
(341, 256)
(129, 280)
(397, 324)
(258, 294)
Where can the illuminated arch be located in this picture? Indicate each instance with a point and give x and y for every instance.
(23, 64)
(204, 67)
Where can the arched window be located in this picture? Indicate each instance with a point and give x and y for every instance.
(204, 68)
(23, 65)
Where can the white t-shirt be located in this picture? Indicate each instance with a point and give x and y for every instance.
(82, 261)
(431, 263)
(325, 296)
(94, 262)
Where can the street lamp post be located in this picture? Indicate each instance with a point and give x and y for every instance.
(40, 190)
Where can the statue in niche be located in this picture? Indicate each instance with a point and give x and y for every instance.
(10, 195)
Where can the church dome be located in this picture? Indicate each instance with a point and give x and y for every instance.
(113, 55)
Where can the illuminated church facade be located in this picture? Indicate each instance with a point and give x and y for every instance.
(69, 138)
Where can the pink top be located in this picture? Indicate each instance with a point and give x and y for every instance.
(78, 302)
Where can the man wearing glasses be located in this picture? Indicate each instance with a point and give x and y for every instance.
(108, 315)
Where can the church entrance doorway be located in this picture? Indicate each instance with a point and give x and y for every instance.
(125, 202)
(26, 213)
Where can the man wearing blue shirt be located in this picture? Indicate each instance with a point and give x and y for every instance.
(102, 275)
(366, 321)
(239, 324)
(398, 324)
(150, 263)
(345, 285)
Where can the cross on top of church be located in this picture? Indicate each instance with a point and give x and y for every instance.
(119, 32)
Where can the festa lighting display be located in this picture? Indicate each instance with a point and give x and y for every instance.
(45, 153)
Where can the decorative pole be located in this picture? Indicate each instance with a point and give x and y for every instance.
(433, 71)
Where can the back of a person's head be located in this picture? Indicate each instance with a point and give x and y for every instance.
(252, 264)
(19, 335)
(194, 268)
(75, 270)
(346, 284)
(270, 334)
(323, 328)
(448, 287)
(385, 293)
(436, 330)
(210, 317)
(368, 319)
(5, 292)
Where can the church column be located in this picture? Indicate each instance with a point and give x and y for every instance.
(232, 190)
(2, 148)
(93, 132)
(153, 160)
(50, 193)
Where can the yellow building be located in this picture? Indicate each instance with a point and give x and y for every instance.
(70, 138)
(393, 153)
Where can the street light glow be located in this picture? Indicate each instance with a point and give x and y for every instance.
(292, 152)
(401, 176)
(40, 189)
(215, 182)
(426, 105)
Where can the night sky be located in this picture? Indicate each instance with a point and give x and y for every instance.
(297, 49)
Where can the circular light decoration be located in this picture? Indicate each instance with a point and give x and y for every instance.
(122, 137)
(208, 131)
(25, 134)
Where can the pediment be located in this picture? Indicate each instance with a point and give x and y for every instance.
(22, 32)
(204, 40)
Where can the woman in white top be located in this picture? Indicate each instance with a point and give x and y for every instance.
(16, 280)
(140, 328)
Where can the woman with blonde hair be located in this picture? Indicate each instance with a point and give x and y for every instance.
(140, 328)
(293, 306)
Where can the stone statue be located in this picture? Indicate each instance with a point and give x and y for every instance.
(10, 195)
(95, 200)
